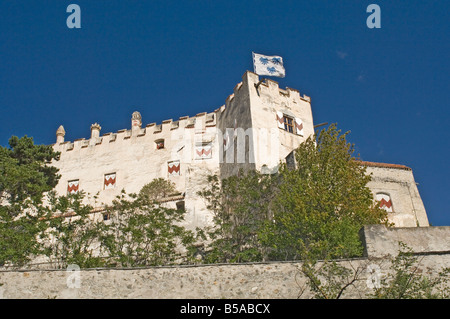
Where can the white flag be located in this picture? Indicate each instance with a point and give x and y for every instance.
(268, 65)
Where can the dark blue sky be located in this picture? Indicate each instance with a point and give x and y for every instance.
(166, 59)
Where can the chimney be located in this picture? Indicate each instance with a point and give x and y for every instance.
(60, 132)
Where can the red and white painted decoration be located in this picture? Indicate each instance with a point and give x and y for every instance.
(110, 181)
(203, 151)
(280, 120)
(298, 126)
(173, 168)
(72, 187)
(297, 122)
(385, 202)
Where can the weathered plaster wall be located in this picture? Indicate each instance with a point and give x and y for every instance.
(265, 101)
(380, 241)
(236, 115)
(257, 280)
(398, 182)
(133, 156)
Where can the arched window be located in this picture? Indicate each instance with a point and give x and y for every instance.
(385, 202)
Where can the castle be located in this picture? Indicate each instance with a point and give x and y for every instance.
(259, 126)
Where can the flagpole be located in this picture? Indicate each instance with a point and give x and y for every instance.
(259, 83)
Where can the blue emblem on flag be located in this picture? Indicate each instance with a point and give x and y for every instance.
(264, 60)
(271, 69)
(276, 61)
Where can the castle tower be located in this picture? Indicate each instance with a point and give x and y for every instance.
(262, 124)
(60, 133)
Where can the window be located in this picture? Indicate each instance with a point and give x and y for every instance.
(288, 124)
(110, 181)
(159, 144)
(180, 205)
(106, 216)
(72, 186)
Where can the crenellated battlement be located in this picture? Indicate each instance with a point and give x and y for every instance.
(265, 87)
(269, 86)
(152, 129)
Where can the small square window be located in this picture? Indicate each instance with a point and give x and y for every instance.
(288, 124)
(180, 205)
(159, 144)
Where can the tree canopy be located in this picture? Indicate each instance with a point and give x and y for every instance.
(314, 210)
(25, 176)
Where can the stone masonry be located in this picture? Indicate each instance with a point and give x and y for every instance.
(230, 281)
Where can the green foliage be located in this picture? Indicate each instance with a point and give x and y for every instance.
(67, 231)
(322, 204)
(18, 238)
(24, 170)
(406, 280)
(403, 279)
(71, 235)
(329, 280)
(142, 232)
(313, 211)
(157, 189)
(24, 178)
(240, 205)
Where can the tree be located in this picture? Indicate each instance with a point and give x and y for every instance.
(142, 231)
(158, 189)
(240, 205)
(329, 280)
(401, 278)
(25, 176)
(25, 172)
(72, 232)
(322, 204)
(314, 211)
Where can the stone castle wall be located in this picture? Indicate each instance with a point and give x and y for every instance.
(237, 281)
